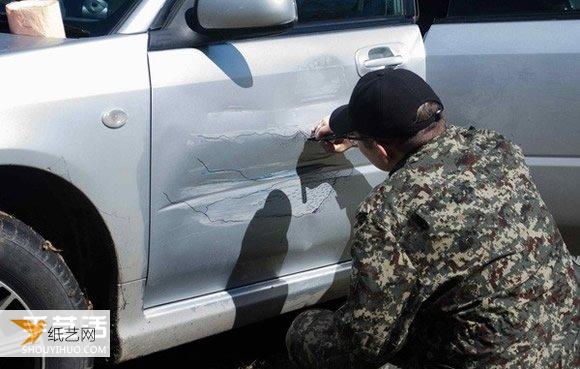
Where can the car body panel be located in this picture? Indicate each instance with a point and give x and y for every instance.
(51, 120)
(145, 331)
(15, 43)
(525, 85)
(238, 194)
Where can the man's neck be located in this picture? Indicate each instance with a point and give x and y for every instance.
(426, 135)
(414, 144)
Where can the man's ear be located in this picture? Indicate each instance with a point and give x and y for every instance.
(382, 150)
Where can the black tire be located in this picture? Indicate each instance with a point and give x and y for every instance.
(41, 278)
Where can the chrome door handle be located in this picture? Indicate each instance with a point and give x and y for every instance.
(371, 58)
(384, 62)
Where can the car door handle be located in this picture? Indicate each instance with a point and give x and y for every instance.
(384, 62)
(377, 57)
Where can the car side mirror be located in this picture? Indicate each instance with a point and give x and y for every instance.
(228, 19)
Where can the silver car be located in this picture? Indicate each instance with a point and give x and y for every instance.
(155, 162)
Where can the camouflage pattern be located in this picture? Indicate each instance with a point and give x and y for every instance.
(313, 341)
(457, 263)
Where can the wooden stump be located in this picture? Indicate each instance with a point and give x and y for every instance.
(35, 18)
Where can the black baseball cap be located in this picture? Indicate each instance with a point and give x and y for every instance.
(384, 104)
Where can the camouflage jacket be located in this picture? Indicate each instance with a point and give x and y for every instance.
(457, 263)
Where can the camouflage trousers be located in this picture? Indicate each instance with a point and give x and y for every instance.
(315, 342)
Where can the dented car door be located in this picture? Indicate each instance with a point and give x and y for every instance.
(238, 194)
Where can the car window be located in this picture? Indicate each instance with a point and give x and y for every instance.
(310, 11)
(512, 7)
(88, 17)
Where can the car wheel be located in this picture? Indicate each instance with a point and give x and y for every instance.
(33, 276)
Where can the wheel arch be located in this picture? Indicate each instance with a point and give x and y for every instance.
(62, 214)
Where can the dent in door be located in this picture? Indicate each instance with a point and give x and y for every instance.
(242, 161)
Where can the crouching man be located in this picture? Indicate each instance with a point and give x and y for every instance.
(456, 261)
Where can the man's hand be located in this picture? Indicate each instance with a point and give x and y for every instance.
(323, 129)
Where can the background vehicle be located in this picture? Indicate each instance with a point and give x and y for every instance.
(165, 154)
(511, 66)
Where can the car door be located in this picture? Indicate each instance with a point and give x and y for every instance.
(238, 196)
(513, 67)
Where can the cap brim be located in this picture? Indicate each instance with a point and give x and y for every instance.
(340, 122)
